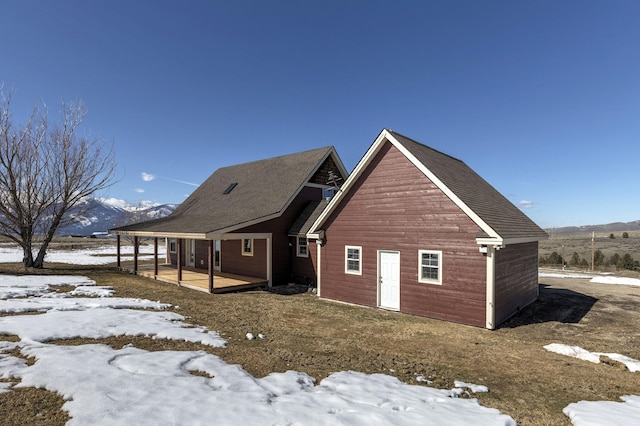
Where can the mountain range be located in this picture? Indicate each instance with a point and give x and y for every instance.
(105, 214)
(606, 228)
(102, 215)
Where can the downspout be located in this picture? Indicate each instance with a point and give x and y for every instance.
(319, 266)
(491, 288)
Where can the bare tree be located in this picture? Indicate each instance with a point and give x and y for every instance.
(46, 170)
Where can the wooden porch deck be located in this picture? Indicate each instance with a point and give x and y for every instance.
(199, 280)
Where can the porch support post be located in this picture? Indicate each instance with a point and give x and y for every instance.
(269, 259)
(118, 261)
(155, 257)
(210, 260)
(136, 242)
(179, 256)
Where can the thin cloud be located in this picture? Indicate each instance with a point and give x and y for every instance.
(182, 181)
(147, 177)
(526, 204)
(139, 190)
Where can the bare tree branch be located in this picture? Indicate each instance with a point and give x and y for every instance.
(45, 171)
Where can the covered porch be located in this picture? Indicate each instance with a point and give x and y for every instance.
(210, 280)
(199, 280)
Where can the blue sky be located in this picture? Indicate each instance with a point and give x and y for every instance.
(541, 98)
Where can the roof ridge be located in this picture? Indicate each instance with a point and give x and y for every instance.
(424, 145)
(324, 148)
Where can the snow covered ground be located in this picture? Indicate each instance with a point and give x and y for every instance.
(134, 386)
(131, 385)
(593, 278)
(98, 256)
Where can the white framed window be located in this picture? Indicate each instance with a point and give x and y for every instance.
(172, 245)
(353, 260)
(303, 247)
(247, 247)
(430, 266)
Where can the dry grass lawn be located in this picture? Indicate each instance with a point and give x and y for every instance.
(319, 337)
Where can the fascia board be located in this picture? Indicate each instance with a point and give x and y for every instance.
(241, 236)
(508, 241)
(452, 196)
(355, 174)
(191, 236)
(523, 240)
(490, 241)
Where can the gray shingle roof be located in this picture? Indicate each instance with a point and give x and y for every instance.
(491, 206)
(311, 212)
(263, 190)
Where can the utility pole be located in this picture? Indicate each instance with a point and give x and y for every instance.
(593, 251)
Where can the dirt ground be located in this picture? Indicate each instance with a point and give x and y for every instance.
(316, 336)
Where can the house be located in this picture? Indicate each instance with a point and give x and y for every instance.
(238, 223)
(417, 231)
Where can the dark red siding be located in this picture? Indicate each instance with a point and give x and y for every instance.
(282, 252)
(304, 268)
(394, 206)
(234, 262)
(516, 279)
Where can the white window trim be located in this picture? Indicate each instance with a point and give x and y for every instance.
(346, 260)
(298, 246)
(246, 253)
(173, 243)
(429, 280)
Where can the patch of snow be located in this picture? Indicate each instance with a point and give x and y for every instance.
(12, 286)
(133, 386)
(101, 323)
(561, 275)
(595, 413)
(422, 379)
(5, 387)
(64, 302)
(616, 280)
(632, 365)
(472, 387)
(95, 291)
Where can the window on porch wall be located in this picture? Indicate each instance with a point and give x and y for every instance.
(247, 247)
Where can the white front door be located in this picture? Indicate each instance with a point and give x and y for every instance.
(216, 254)
(389, 280)
(191, 252)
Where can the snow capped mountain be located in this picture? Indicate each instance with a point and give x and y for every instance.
(97, 215)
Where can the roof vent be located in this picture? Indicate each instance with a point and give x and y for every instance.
(230, 187)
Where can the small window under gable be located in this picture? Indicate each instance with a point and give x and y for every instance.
(353, 260)
(230, 187)
(303, 247)
(430, 266)
(328, 193)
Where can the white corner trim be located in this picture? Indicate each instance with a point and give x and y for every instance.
(490, 322)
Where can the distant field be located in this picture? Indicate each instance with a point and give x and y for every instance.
(566, 245)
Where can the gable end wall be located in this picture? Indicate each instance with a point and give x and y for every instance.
(394, 206)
